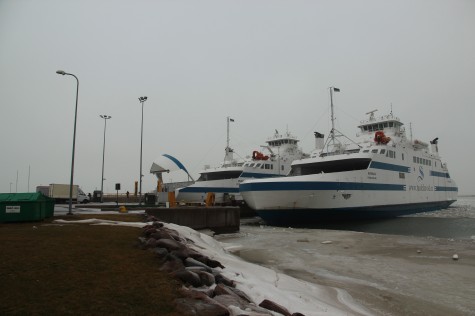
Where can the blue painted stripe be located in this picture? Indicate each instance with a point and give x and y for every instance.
(388, 166)
(307, 217)
(191, 189)
(439, 174)
(259, 175)
(450, 189)
(318, 185)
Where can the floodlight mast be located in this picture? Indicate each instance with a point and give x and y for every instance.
(62, 72)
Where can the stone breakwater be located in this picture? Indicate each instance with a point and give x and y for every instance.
(205, 291)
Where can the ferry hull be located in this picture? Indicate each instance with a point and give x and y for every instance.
(307, 217)
(300, 203)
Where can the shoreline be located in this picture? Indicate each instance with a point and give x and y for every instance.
(388, 274)
(330, 272)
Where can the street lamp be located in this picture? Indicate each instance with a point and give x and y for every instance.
(105, 117)
(142, 100)
(61, 72)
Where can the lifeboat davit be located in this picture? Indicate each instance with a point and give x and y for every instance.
(380, 138)
(259, 156)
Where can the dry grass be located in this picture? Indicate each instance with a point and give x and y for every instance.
(80, 269)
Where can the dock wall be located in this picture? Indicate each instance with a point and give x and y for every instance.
(218, 219)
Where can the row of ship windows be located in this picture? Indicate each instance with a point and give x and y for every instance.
(392, 154)
(422, 161)
(389, 153)
(283, 141)
(261, 165)
(380, 126)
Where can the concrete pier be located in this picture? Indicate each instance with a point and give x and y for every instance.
(221, 220)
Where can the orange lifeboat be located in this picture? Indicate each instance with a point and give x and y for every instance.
(380, 138)
(259, 156)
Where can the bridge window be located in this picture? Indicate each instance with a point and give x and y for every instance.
(330, 166)
(391, 154)
(219, 175)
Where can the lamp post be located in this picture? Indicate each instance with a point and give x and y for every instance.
(61, 72)
(142, 100)
(105, 117)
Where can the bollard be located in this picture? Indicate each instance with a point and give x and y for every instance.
(209, 199)
(171, 199)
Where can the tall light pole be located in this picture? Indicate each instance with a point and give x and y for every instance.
(61, 72)
(105, 117)
(142, 100)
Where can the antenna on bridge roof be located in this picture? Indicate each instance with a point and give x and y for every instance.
(371, 114)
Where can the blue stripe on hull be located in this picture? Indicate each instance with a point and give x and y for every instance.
(388, 166)
(307, 217)
(449, 189)
(259, 175)
(318, 185)
(439, 174)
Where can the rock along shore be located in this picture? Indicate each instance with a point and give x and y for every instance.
(206, 291)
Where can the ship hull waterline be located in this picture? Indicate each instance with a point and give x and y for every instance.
(308, 217)
(341, 201)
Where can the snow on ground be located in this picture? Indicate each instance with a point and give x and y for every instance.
(259, 282)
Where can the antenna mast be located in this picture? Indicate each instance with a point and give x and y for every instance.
(228, 157)
(227, 133)
(332, 133)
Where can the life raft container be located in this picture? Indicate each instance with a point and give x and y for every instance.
(259, 156)
(380, 138)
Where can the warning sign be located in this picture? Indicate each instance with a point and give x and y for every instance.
(12, 209)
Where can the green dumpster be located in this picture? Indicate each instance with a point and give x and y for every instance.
(48, 204)
(23, 207)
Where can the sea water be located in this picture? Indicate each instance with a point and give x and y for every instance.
(456, 221)
(397, 266)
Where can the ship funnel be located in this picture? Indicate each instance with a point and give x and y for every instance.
(228, 157)
(319, 144)
(433, 145)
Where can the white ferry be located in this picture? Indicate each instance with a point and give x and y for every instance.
(380, 174)
(223, 181)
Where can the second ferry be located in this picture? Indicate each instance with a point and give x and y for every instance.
(381, 173)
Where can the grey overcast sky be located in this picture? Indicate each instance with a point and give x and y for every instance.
(266, 64)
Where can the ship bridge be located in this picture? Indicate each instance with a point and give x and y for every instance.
(374, 123)
(279, 140)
